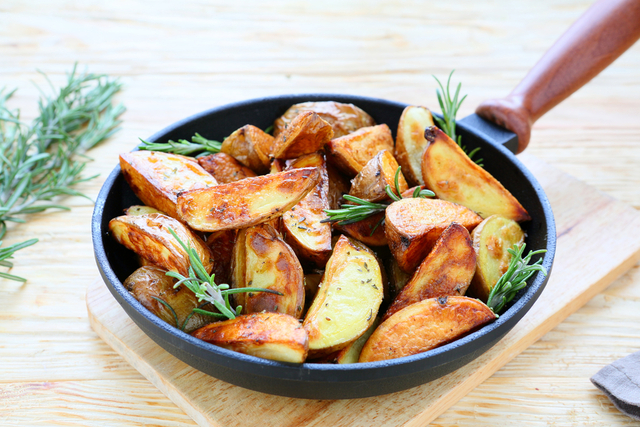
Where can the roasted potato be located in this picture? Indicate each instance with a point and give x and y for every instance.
(141, 210)
(343, 118)
(306, 134)
(221, 244)
(157, 178)
(251, 147)
(411, 143)
(273, 336)
(491, 239)
(339, 185)
(398, 278)
(446, 271)
(351, 353)
(449, 173)
(413, 225)
(224, 168)
(370, 184)
(350, 153)
(148, 236)
(348, 299)
(369, 231)
(244, 203)
(425, 325)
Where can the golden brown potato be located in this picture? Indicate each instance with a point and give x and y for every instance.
(269, 263)
(411, 143)
(491, 239)
(412, 227)
(251, 147)
(348, 299)
(141, 210)
(303, 228)
(339, 185)
(343, 118)
(350, 153)
(306, 134)
(366, 231)
(148, 236)
(370, 184)
(351, 353)
(248, 202)
(157, 178)
(221, 244)
(446, 271)
(273, 336)
(150, 284)
(449, 173)
(425, 325)
(224, 168)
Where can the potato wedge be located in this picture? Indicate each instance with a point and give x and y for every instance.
(269, 263)
(250, 146)
(224, 168)
(366, 230)
(449, 173)
(351, 353)
(141, 210)
(491, 239)
(157, 178)
(343, 118)
(446, 271)
(339, 185)
(303, 228)
(425, 325)
(411, 143)
(273, 336)
(221, 244)
(248, 202)
(350, 153)
(148, 236)
(398, 278)
(370, 184)
(306, 134)
(348, 299)
(154, 290)
(413, 225)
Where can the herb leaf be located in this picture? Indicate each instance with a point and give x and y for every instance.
(198, 144)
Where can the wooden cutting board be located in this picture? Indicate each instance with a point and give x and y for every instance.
(597, 242)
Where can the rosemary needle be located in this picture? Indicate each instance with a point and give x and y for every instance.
(198, 144)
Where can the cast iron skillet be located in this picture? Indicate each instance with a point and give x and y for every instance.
(554, 78)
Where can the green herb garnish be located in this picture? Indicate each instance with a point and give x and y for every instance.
(198, 144)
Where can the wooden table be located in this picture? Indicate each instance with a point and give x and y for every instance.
(178, 58)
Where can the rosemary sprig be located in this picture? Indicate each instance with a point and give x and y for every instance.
(515, 278)
(205, 288)
(45, 159)
(450, 107)
(198, 144)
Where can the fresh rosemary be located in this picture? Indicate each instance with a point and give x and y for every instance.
(515, 278)
(450, 107)
(203, 285)
(44, 159)
(198, 144)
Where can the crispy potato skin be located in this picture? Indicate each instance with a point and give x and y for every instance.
(148, 236)
(413, 225)
(157, 178)
(273, 336)
(224, 168)
(371, 182)
(343, 118)
(449, 173)
(446, 271)
(411, 143)
(248, 202)
(425, 325)
(221, 244)
(250, 146)
(364, 230)
(350, 153)
(306, 134)
(491, 239)
(348, 299)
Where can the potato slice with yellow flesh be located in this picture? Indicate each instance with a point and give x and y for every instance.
(157, 178)
(250, 146)
(491, 239)
(413, 226)
(224, 168)
(273, 336)
(141, 210)
(304, 230)
(148, 236)
(306, 134)
(411, 143)
(446, 271)
(425, 325)
(348, 299)
(247, 202)
(370, 184)
(350, 153)
(449, 173)
(351, 353)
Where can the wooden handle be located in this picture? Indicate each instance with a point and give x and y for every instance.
(593, 42)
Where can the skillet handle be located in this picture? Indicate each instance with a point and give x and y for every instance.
(595, 40)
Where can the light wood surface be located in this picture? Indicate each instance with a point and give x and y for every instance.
(178, 58)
